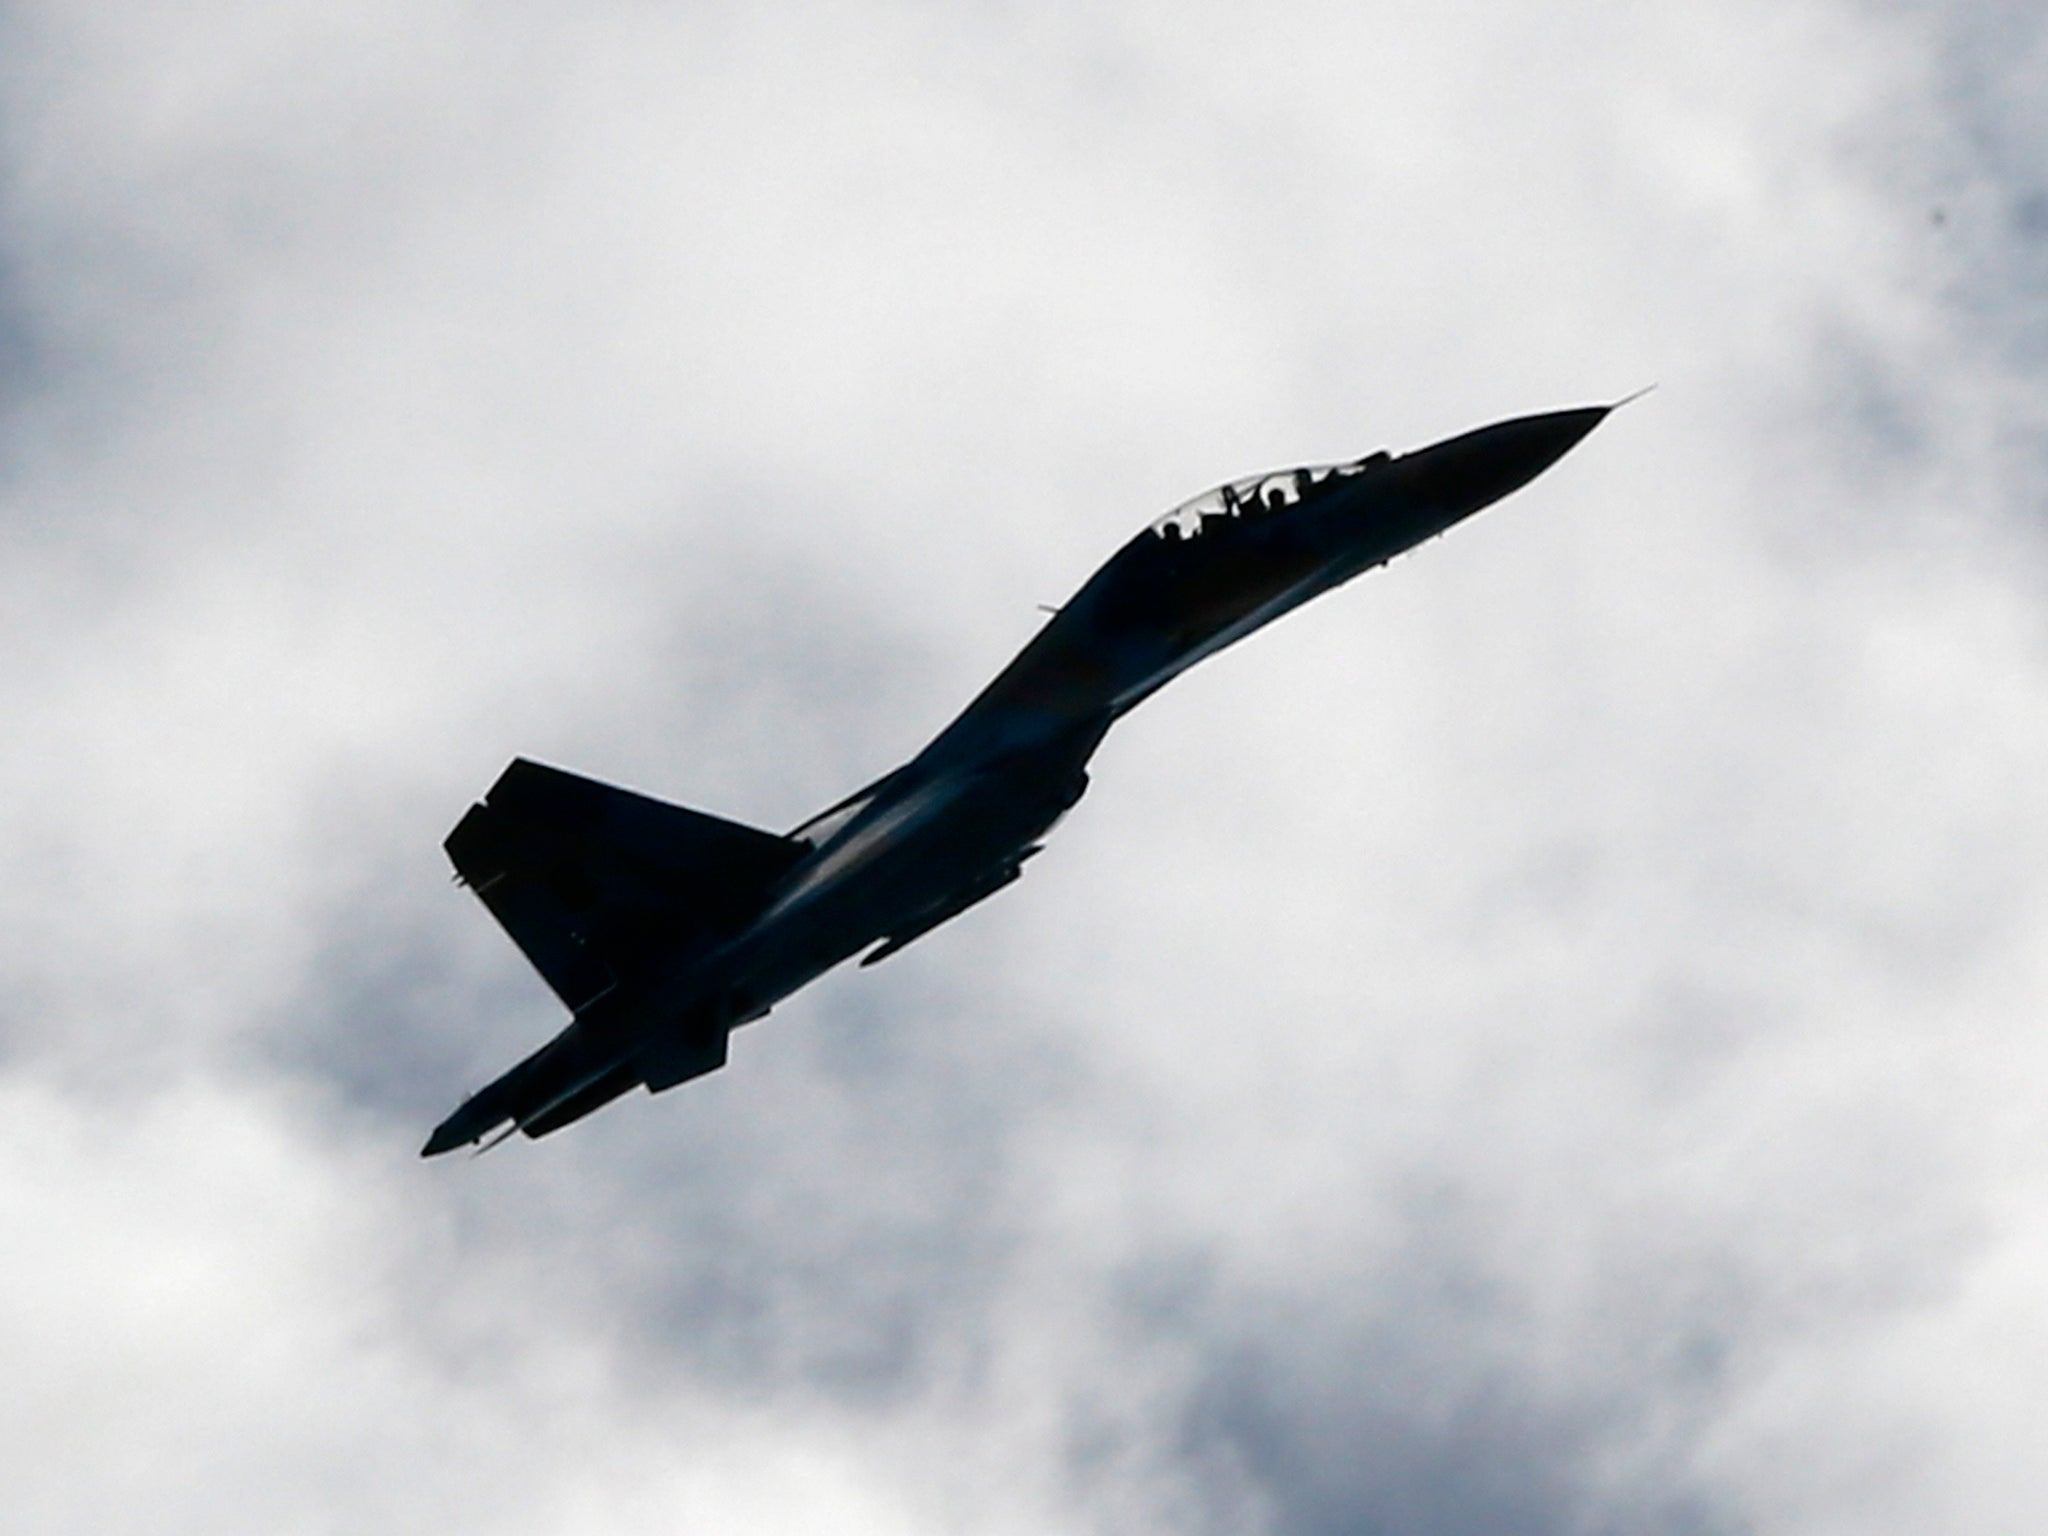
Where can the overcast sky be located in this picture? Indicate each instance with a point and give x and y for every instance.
(1546, 1041)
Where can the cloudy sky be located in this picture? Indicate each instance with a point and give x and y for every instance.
(1546, 1041)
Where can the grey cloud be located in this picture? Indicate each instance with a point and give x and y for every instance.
(1542, 1042)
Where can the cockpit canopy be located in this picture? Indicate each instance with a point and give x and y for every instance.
(1257, 495)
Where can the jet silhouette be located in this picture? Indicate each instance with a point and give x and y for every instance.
(663, 929)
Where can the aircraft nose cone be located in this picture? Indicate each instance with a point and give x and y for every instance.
(1470, 471)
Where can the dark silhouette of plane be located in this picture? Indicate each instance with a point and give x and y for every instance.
(664, 929)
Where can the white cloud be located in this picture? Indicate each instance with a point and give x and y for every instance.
(1544, 1040)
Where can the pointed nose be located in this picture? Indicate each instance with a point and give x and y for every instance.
(1474, 469)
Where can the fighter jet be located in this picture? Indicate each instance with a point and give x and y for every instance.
(664, 929)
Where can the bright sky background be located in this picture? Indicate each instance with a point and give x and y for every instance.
(1549, 1040)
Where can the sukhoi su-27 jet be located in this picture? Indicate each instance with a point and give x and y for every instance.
(664, 929)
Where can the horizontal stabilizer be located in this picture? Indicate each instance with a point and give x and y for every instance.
(592, 881)
(586, 1100)
(573, 1074)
